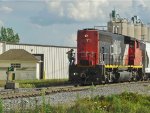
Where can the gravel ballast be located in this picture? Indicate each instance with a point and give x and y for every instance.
(69, 97)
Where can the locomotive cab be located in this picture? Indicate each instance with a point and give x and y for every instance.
(87, 47)
(87, 68)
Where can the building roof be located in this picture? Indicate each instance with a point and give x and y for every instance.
(18, 55)
(40, 45)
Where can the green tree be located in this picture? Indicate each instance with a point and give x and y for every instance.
(8, 35)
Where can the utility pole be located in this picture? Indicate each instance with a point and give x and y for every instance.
(10, 84)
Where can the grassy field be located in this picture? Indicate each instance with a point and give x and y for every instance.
(122, 103)
(37, 83)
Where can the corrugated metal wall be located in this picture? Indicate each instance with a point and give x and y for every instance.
(55, 58)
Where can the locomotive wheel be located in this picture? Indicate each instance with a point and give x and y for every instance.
(105, 80)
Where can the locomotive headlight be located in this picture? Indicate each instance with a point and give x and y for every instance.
(75, 74)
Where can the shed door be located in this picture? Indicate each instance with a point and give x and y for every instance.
(41, 58)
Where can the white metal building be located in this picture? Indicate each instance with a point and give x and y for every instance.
(54, 62)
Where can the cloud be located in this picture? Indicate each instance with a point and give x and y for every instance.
(45, 18)
(141, 8)
(55, 7)
(68, 12)
(87, 11)
(5, 9)
(77, 10)
(71, 40)
(139, 3)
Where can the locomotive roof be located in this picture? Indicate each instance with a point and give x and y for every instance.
(110, 34)
(107, 33)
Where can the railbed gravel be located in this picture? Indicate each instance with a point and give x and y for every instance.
(70, 97)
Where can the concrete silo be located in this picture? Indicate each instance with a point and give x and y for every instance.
(123, 27)
(144, 32)
(110, 26)
(137, 31)
(148, 33)
(118, 26)
(130, 29)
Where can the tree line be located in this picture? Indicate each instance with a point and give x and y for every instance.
(8, 35)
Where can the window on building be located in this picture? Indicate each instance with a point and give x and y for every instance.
(16, 65)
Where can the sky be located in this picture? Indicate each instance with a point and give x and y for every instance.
(56, 22)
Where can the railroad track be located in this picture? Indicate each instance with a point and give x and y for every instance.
(37, 92)
(25, 93)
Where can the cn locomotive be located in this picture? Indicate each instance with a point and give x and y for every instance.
(104, 57)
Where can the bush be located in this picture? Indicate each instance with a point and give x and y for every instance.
(27, 85)
(132, 97)
(41, 83)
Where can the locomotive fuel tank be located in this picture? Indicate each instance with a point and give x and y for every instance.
(122, 76)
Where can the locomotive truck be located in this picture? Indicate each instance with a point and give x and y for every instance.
(104, 57)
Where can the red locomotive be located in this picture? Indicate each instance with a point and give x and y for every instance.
(104, 57)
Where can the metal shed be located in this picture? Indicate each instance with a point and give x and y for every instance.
(53, 59)
(18, 64)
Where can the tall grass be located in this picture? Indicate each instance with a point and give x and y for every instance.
(122, 103)
(43, 107)
(1, 106)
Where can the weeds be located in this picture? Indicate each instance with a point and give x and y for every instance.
(1, 106)
(43, 109)
(122, 103)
